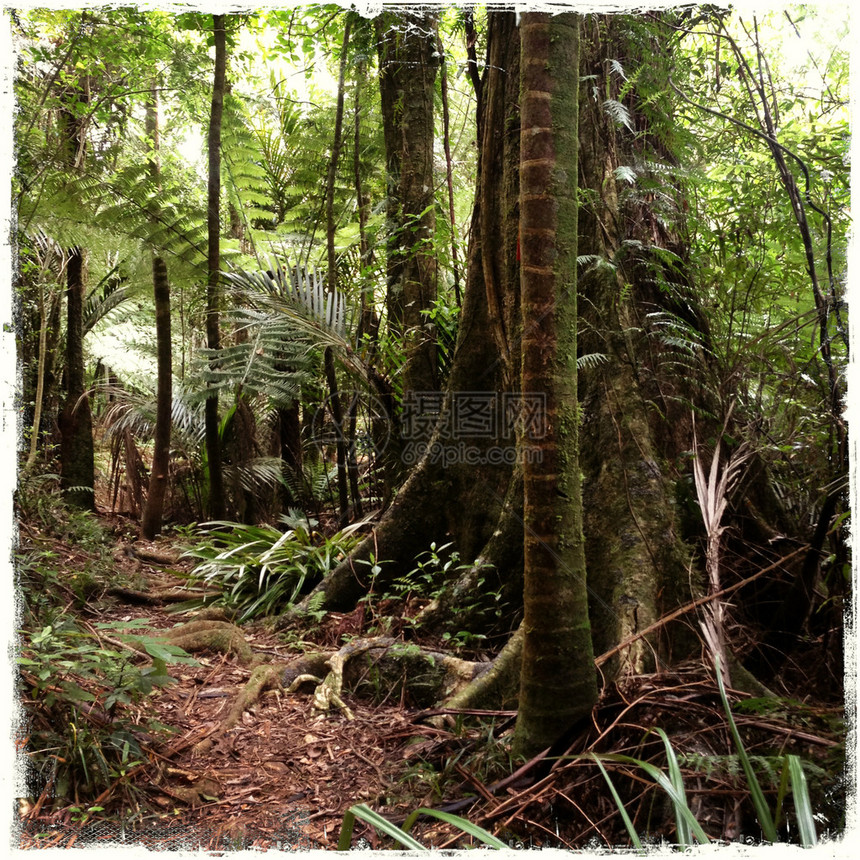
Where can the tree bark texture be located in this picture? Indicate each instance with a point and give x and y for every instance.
(217, 501)
(390, 73)
(408, 64)
(77, 459)
(158, 479)
(449, 173)
(558, 683)
(498, 191)
(159, 476)
(633, 427)
(331, 376)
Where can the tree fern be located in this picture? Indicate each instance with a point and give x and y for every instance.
(246, 177)
(159, 216)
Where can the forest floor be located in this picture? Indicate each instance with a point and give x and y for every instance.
(283, 777)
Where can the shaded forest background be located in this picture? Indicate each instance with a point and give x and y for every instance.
(515, 345)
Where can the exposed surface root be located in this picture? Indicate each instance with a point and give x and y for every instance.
(160, 597)
(430, 675)
(262, 678)
(215, 635)
(498, 686)
(202, 634)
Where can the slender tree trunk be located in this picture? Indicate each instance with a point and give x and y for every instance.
(77, 457)
(331, 376)
(217, 502)
(54, 333)
(159, 476)
(449, 173)
(352, 463)
(390, 74)
(369, 317)
(158, 479)
(558, 684)
(41, 366)
(417, 186)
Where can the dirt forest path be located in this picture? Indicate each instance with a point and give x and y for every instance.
(279, 774)
(282, 777)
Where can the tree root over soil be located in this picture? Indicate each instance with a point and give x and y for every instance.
(160, 596)
(218, 635)
(202, 634)
(368, 666)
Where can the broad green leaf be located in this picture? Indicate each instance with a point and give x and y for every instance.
(365, 813)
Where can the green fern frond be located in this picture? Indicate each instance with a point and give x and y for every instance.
(590, 360)
(618, 113)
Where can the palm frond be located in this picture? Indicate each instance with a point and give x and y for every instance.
(273, 360)
(324, 318)
(105, 298)
(256, 475)
(134, 412)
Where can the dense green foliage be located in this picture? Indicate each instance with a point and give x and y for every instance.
(262, 570)
(78, 681)
(721, 199)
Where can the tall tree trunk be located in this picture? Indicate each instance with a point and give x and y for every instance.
(331, 376)
(369, 317)
(77, 457)
(637, 563)
(217, 502)
(449, 173)
(558, 683)
(41, 369)
(158, 478)
(390, 74)
(408, 71)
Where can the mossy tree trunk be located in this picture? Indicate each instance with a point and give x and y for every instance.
(408, 64)
(558, 683)
(633, 424)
